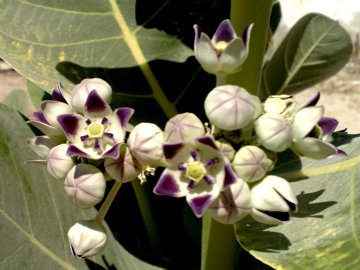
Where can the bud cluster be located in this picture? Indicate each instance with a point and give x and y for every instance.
(223, 169)
(86, 143)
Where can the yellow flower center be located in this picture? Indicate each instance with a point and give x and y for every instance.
(95, 130)
(195, 171)
(220, 46)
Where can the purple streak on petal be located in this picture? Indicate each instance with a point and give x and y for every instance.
(109, 137)
(313, 101)
(340, 153)
(124, 114)
(224, 32)
(69, 123)
(194, 155)
(166, 185)
(212, 161)
(98, 147)
(328, 125)
(73, 151)
(57, 96)
(200, 204)
(191, 184)
(209, 180)
(39, 116)
(230, 177)
(84, 137)
(95, 103)
(88, 122)
(209, 141)
(113, 152)
(182, 167)
(170, 150)
(104, 121)
(246, 34)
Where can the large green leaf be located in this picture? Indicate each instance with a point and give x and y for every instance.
(37, 35)
(47, 41)
(325, 232)
(35, 213)
(314, 49)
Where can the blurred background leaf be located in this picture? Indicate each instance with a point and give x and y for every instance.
(314, 49)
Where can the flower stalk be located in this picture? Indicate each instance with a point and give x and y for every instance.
(108, 201)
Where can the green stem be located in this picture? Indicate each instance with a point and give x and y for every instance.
(147, 215)
(108, 201)
(219, 245)
(243, 13)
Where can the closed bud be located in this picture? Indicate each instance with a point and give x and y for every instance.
(82, 90)
(233, 203)
(85, 185)
(251, 163)
(125, 168)
(145, 143)
(272, 199)
(230, 107)
(58, 162)
(274, 132)
(184, 127)
(87, 238)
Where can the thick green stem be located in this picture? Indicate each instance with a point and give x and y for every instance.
(108, 201)
(219, 245)
(147, 215)
(243, 13)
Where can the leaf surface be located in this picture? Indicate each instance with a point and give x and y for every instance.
(314, 49)
(35, 213)
(88, 33)
(325, 232)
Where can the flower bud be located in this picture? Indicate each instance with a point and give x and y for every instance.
(274, 132)
(226, 148)
(87, 238)
(231, 107)
(272, 199)
(184, 127)
(85, 185)
(58, 162)
(125, 168)
(233, 204)
(281, 104)
(145, 143)
(82, 90)
(251, 163)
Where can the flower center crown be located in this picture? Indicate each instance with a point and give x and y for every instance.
(195, 171)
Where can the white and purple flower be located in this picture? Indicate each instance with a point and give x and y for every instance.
(225, 52)
(99, 133)
(198, 171)
(312, 132)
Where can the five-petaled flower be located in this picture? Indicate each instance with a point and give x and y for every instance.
(197, 171)
(99, 133)
(225, 52)
(312, 131)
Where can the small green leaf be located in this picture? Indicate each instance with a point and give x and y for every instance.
(35, 213)
(315, 49)
(325, 232)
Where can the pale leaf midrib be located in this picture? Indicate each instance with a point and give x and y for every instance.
(134, 47)
(291, 74)
(37, 243)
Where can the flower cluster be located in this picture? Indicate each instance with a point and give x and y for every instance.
(222, 168)
(85, 144)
